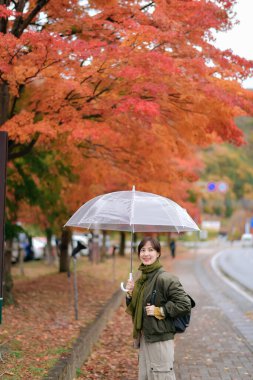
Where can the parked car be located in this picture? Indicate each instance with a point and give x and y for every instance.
(247, 240)
(32, 250)
(15, 251)
(39, 246)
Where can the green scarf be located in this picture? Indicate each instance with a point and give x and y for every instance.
(135, 308)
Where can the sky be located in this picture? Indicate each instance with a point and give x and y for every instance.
(239, 39)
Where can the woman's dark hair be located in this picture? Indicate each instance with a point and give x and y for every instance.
(154, 242)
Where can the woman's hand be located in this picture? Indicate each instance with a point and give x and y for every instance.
(150, 309)
(130, 287)
(155, 311)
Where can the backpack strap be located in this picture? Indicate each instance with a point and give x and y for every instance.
(153, 296)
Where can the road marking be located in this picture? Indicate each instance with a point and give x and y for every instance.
(234, 285)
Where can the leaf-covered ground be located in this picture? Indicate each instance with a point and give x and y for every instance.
(113, 357)
(41, 326)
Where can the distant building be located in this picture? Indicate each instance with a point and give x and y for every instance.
(211, 225)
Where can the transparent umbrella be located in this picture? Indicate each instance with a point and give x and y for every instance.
(133, 211)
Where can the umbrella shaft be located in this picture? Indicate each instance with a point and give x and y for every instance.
(131, 256)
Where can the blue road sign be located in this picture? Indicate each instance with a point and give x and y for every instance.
(211, 186)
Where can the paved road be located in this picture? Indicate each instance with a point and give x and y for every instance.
(237, 263)
(219, 342)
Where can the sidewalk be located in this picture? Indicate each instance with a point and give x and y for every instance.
(212, 348)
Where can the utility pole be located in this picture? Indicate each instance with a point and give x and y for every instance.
(3, 166)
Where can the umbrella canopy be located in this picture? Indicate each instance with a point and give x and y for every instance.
(133, 211)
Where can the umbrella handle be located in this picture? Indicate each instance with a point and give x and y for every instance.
(122, 283)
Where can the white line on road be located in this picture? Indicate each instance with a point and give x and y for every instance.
(234, 285)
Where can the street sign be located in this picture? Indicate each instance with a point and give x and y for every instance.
(211, 186)
(222, 187)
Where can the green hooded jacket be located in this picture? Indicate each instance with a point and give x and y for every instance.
(171, 296)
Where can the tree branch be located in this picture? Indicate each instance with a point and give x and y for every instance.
(4, 20)
(23, 23)
(19, 8)
(19, 150)
(15, 99)
(147, 5)
(96, 87)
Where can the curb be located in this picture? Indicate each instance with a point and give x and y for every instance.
(230, 279)
(65, 368)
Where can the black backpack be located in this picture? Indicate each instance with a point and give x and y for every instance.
(182, 322)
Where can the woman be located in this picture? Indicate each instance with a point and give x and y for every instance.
(153, 301)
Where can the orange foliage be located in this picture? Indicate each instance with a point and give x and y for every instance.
(128, 90)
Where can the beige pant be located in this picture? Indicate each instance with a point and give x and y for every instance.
(156, 360)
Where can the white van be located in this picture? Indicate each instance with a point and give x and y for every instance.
(247, 240)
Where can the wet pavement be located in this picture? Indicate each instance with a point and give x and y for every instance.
(219, 342)
(236, 262)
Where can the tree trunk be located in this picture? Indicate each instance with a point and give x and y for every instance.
(8, 281)
(122, 244)
(21, 256)
(4, 102)
(103, 248)
(49, 249)
(64, 247)
(95, 248)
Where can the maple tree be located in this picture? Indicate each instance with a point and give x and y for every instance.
(87, 72)
(138, 85)
(36, 183)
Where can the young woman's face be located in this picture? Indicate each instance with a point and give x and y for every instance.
(148, 255)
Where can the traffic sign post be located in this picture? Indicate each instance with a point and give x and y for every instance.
(3, 165)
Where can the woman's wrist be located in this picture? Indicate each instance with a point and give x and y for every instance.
(129, 294)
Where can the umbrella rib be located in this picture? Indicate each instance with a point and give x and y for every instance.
(170, 216)
(98, 209)
(179, 217)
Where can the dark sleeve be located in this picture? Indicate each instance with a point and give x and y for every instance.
(128, 300)
(178, 302)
